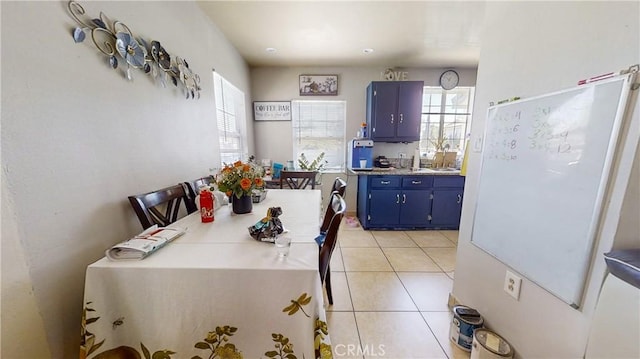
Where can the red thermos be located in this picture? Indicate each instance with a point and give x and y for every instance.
(206, 206)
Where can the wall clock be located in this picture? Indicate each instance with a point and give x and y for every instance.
(449, 79)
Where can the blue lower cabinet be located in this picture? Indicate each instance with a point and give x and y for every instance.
(397, 208)
(446, 208)
(447, 201)
(405, 202)
(416, 208)
(384, 208)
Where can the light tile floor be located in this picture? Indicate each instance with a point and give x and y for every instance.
(390, 294)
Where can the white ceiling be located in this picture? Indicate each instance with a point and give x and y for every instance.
(335, 33)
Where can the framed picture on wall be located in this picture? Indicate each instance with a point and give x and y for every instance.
(272, 110)
(318, 85)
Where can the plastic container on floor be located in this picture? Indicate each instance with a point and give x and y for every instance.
(489, 345)
(465, 321)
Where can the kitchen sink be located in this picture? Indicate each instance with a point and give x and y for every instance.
(431, 170)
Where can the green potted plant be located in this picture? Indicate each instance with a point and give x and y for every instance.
(316, 165)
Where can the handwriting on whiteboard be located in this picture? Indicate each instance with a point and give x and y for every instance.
(543, 130)
(545, 136)
(502, 139)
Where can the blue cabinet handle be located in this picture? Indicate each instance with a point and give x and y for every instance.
(459, 198)
(391, 118)
(385, 182)
(404, 198)
(397, 198)
(416, 182)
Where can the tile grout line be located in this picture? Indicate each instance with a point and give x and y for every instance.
(409, 293)
(353, 312)
(393, 269)
(421, 315)
(434, 261)
(407, 290)
(414, 302)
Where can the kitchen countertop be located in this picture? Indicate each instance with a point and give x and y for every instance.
(406, 172)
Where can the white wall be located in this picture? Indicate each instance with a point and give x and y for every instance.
(20, 312)
(77, 139)
(273, 139)
(531, 48)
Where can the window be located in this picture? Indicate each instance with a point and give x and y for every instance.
(319, 126)
(231, 119)
(446, 119)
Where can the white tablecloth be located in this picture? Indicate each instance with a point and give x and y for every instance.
(214, 289)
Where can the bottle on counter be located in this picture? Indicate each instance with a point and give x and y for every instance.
(416, 159)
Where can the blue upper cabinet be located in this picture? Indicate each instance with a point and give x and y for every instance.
(393, 110)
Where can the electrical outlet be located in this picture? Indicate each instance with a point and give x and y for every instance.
(402, 155)
(512, 285)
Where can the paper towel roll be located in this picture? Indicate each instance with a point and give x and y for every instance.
(416, 159)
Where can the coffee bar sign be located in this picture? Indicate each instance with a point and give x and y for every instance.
(272, 110)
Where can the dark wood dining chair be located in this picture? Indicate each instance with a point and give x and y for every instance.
(298, 179)
(161, 207)
(339, 185)
(326, 219)
(194, 186)
(326, 250)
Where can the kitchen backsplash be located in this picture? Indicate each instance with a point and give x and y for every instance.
(393, 150)
(408, 162)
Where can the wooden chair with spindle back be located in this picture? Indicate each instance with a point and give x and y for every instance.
(298, 179)
(193, 187)
(326, 250)
(161, 207)
(339, 187)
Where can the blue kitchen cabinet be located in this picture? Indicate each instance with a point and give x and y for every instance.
(394, 201)
(399, 208)
(416, 201)
(394, 109)
(409, 202)
(384, 207)
(416, 208)
(383, 199)
(447, 201)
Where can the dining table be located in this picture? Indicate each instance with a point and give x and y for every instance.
(214, 292)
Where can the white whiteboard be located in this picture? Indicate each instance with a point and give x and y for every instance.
(545, 167)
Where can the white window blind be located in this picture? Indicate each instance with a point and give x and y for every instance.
(231, 120)
(319, 126)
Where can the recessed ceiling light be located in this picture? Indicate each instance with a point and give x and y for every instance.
(367, 51)
(270, 49)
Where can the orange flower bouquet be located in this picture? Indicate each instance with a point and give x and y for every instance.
(240, 178)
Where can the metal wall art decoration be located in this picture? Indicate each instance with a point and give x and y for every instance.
(318, 85)
(115, 38)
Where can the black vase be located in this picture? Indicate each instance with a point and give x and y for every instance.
(241, 205)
